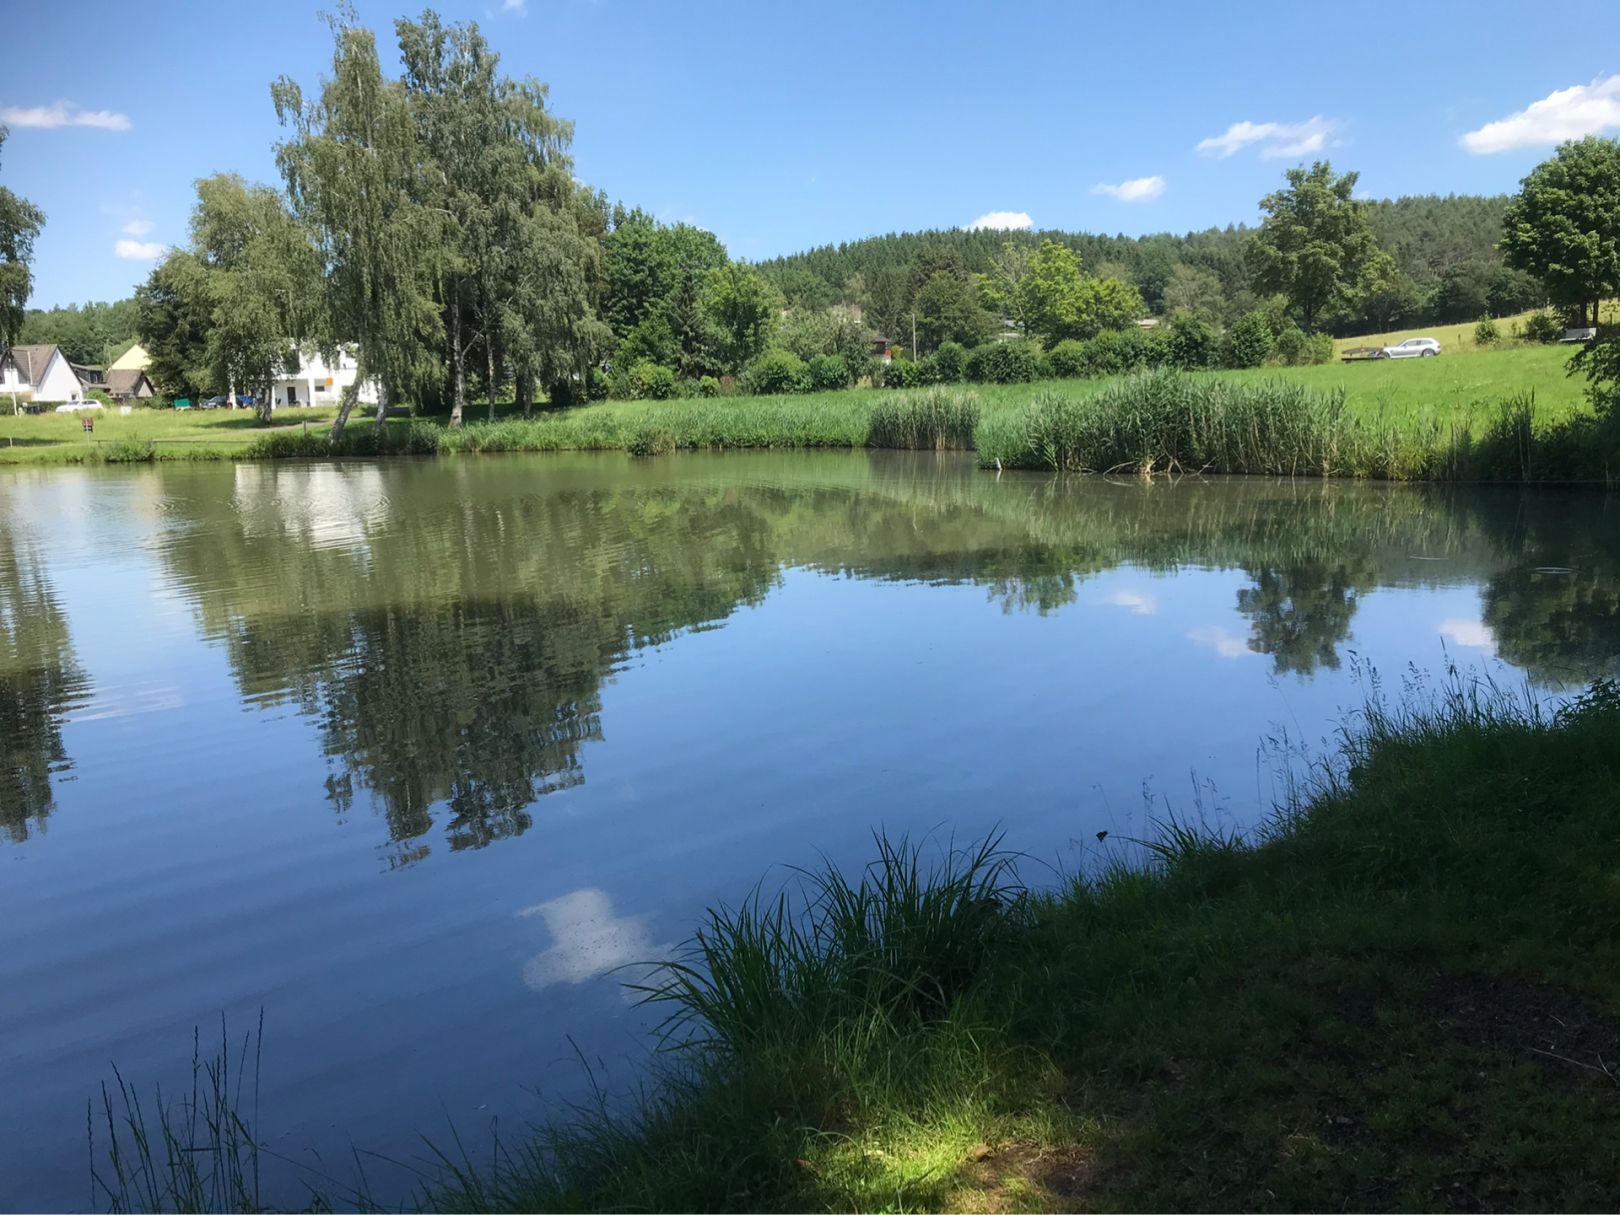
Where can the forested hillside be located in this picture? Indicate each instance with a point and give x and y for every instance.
(1444, 249)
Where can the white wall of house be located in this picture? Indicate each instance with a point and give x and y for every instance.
(319, 384)
(59, 383)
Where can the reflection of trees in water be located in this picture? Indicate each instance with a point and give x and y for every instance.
(1299, 614)
(38, 679)
(450, 628)
(1562, 626)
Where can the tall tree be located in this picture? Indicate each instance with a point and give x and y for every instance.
(1563, 226)
(744, 308)
(1064, 302)
(20, 222)
(173, 314)
(1315, 244)
(352, 166)
(262, 281)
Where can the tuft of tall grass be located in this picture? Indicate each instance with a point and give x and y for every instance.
(197, 1154)
(937, 419)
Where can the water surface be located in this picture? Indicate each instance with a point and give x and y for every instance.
(412, 756)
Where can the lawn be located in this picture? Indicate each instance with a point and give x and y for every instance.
(1466, 387)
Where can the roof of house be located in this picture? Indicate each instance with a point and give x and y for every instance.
(33, 361)
(125, 381)
(133, 359)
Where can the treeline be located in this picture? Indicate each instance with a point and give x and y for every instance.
(1446, 268)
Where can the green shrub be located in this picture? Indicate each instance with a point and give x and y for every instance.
(1155, 348)
(708, 386)
(1543, 326)
(1115, 350)
(654, 383)
(1069, 359)
(1318, 349)
(1193, 343)
(128, 451)
(903, 373)
(950, 363)
(1486, 332)
(652, 440)
(828, 373)
(1005, 363)
(938, 419)
(777, 372)
(1248, 343)
(1289, 348)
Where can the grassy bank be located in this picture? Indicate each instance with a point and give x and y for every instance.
(1403, 994)
(1508, 414)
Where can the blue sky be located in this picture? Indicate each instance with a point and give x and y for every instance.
(783, 126)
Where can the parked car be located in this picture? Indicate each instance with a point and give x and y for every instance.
(214, 403)
(1411, 348)
(76, 406)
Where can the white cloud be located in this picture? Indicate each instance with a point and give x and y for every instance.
(1139, 602)
(62, 114)
(1583, 109)
(1275, 140)
(1138, 189)
(139, 250)
(137, 227)
(1474, 634)
(1004, 221)
(514, 6)
(1213, 637)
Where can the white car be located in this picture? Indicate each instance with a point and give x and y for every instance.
(77, 406)
(1411, 348)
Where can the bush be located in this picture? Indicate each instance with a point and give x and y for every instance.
(708, 386)
(648, 381)
(1069, 359)
(1192, 342)
(652, 441)
(1005, 363)
(1115, 350)
(903, 373)
(777, 372)
(940, 419)
(1289, 348)
(828, 373)
(1248, 343)
(949, 363)
(1543, 326)
(1486, 333)
(1318, 349)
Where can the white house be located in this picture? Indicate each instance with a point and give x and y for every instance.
(319, 384)
(39, 373)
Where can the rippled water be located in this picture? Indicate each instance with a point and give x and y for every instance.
(412, 756)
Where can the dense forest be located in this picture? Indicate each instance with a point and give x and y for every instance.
(1444, 249)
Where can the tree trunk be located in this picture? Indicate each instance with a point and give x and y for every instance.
(383, 400)
(458, 364)
(489, 371)
(351, 394)
(523, 389)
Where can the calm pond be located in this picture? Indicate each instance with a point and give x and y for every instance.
(413, 756)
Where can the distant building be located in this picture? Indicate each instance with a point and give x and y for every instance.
(126, 385)
(881, 348)
(39, 373)
(133, 359)
(1148, 322)
(319, 384)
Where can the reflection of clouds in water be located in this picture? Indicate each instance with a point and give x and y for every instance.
(1213, 637)
(589, 941)
(1475, 634)
(1140, 602)
(331, 504)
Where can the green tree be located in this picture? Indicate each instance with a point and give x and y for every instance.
(351, 167)
(173, 314)
(744, 308)
(1064, 302)
(20, 222)
(1195, 289)
(261, 282)
(947, 309)
(1563, 226)
(1315, 244)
